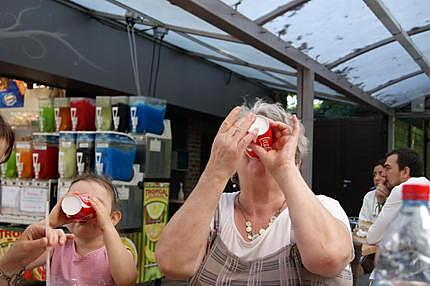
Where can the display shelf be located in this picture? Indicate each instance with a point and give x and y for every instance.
(176, 201)
(19, 219)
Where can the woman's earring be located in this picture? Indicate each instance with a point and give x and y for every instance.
(235, 181)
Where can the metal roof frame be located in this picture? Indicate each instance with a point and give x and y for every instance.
(246, 64)
(374, 46)
(237, 25)
(394, 81)
(294, 59)
(281, 10)
(221, 52)
(185, 32)
(387, 19)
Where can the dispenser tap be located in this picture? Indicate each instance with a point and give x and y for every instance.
(134, 118)
(57, 118)
(74, 118)
(79, 163)
(99, 164)
(115, 117)
(36, 165)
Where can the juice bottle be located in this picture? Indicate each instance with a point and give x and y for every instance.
(63, 120)
(85, 152)
(83, 112)
(46, 115)
(24, 160)
(8, 168)
(103, 113)
(120, 113)
(67, 155)
(147, 114)
(45, 155)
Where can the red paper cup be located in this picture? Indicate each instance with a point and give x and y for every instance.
(264, 135)
(77, 207)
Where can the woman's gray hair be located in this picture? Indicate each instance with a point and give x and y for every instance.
(276, 112)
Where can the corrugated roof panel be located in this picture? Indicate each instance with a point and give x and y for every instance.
(422, 41)
(246, 53)
(405, 91)
(189, 45)
(378, 66)
(248, 72)
(254, 9)
(329, 30)
(410, 13)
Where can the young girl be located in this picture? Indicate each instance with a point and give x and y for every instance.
(96, 255)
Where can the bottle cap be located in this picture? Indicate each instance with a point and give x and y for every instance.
(416, 192)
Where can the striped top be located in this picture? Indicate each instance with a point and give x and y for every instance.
(281, 268)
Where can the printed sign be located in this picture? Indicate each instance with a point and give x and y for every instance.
(11, 93)
(7, 237)
(156, 200)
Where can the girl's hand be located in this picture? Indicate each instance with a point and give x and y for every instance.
(284, 146)
(230, 143)
(102, 215)
(57, 217)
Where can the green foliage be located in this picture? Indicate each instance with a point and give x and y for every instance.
(331, 109)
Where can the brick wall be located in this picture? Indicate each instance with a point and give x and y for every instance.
(194, 151)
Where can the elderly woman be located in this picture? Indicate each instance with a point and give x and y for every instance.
(275, 231)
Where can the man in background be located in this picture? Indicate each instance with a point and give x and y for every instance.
(402, 166)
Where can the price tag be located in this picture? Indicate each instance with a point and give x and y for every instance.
(87, 145)
(66, 144)
(10, 197)
(155, 145)
(123, 193)
(101, 145)
(33, 200)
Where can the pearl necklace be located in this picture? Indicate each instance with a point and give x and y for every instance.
(248, 224)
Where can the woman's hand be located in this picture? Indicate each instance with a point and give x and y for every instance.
(27, 248)
(57, 237)
(284, 146)
(31, 245)
(230, 143)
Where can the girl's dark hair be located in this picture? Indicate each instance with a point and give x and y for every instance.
(7, 134)
(102, 181)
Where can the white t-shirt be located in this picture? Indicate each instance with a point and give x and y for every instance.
(390, 210)
(369, 210)
(277, 235)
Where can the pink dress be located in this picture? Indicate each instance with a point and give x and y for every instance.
(68, 268)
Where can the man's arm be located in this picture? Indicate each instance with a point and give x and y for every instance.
(389, 212)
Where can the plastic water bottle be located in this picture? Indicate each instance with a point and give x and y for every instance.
(404, 253)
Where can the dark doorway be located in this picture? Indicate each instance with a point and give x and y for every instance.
(343, 153)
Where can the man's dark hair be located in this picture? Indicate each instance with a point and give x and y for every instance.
(408, 158)
(380, 162)
(7, 134)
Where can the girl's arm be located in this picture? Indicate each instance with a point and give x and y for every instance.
(121, 261)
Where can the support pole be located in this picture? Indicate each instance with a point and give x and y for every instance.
(390, 133)
(305, 111)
